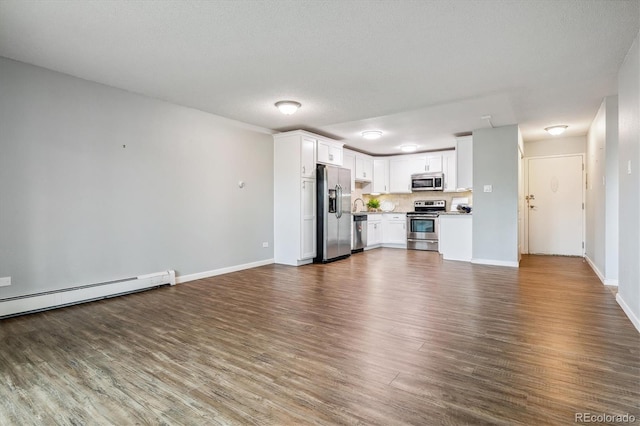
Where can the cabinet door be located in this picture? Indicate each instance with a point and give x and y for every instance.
(323, 152)
(426, 163)
(329, 153)
(308, 158)
(434, 163)
(374, 233)
(394, 228)
(308, 219)
(395, 232)
(449, 170)
(364, 168)
(335, 155)
(417, 164)
(400, 175)
(349, 162)
(381, 176)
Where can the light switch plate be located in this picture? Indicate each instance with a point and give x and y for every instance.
(629, 167)
(5, 281)
(488, 188)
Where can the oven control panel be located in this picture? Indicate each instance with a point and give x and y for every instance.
(429, 203)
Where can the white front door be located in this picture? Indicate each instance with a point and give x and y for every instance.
(555, 205)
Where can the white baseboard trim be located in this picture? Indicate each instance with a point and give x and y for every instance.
(627, 310)
(496, 262)
(603, 280)
(595, 268)
(207, 274)
(396, 246)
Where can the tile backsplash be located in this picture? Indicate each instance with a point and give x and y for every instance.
(404, 202)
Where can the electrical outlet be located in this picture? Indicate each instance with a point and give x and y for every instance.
(5, 281)
(265, 244)
(488, 188)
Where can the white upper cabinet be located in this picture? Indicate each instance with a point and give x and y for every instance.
(426, 163)
(308, 157)
(449, 170)
(380, 176)
(329, 152)
(364, 168)
(464, 169)
(400, 174)
(349, 162)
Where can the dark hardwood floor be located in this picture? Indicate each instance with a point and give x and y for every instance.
(387, 337)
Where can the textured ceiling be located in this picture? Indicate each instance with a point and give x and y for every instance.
(421, 71)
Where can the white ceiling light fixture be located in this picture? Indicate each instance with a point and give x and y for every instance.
(372, 134)
(556, 130)
(288, 107)
(408, 148)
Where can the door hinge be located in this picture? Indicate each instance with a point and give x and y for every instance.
(583, 167)
(582, 206)
(583, 244)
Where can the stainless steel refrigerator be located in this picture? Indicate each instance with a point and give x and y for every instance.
(334, 213)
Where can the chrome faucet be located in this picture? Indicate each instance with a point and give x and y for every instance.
(355, 206)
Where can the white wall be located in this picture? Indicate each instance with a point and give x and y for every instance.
(629, 154)
(601, 242)
(495, 214)
(612, 200)
(78, 207)
(555, 146)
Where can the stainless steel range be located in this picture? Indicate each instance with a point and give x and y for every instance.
(422, 224)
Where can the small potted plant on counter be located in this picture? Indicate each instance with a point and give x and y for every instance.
(373, 205)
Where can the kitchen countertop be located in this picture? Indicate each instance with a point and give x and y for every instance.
(393, 212)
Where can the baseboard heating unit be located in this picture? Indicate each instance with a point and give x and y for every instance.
(20, 305)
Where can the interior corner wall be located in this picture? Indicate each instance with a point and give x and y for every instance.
(612, 201)
(98, 184)
(595, 192)
(495, 213)
(629, 176)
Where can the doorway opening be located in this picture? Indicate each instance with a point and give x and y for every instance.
(554, 205)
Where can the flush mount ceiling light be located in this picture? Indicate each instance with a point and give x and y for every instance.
(408, 148)
(288, 107)
(556, 130)
(372, 134)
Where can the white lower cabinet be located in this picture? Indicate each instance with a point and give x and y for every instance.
(455, 237)
(374, 230)
(394, 230)
(349, 162)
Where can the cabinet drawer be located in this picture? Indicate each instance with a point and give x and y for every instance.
(395, 217)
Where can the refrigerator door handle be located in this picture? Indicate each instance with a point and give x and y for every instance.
(339, 201)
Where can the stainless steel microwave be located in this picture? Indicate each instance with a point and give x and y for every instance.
(427, 182)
